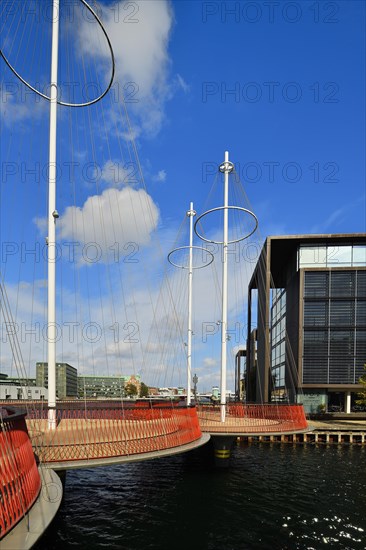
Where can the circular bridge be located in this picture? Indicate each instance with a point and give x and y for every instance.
(99, 433)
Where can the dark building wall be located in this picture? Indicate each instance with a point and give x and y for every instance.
(278, 267)
(292, 329)
(334, 327)
(66, 379)
(261, 281)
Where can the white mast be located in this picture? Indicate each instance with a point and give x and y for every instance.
(52, 216)
(226, 168)
(52, 173)
(191, 213)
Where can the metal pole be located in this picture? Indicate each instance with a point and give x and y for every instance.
(191, 213)
(226, 168)
(52, 216)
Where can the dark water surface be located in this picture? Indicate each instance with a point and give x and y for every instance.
(273, 496)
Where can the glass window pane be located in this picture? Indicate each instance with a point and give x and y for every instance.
(361, 313)
(315, 313)
(316, 284)
(339, 255)
(312, 256)
(342, 283)
(282, 349)
(361, 284)
(342, 313)
(359, 255)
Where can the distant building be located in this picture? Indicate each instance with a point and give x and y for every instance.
(171, 392)
(66, 379)
(215, 392)
(21, 381)
(311, 320)
(240, 369)
(106, 386)
(12, 388)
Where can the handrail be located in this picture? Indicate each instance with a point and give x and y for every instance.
(253, 418)
(20, 482)
(88, 430)
(11, 414)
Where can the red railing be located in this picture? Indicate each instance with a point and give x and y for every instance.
(88, 430)
(253, 418)
(20, 482)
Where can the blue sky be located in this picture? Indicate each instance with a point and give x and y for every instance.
(280, 85)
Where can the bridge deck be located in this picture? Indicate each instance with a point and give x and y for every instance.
(107, 432)
(90, 439)
(242, 419)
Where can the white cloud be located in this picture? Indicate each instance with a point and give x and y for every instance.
(160, 176)
(141, 55)
(139, 32)
(18, 107)
(116, 174)
(210, 362)
(42, 225)
(116, 216)
(183, 84)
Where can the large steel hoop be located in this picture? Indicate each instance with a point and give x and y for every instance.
(224, 208)
(189, 247)
(64, 103)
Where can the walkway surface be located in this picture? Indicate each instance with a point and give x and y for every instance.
(242, 419)
(108, 432)
(104, 432)
(80, 443)
(338, 425)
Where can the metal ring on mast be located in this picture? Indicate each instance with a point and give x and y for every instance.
(188, 248)
(64, 103)
(224, 208)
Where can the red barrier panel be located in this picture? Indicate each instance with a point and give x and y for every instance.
(20, 482)
(105, 429)
(253, 418)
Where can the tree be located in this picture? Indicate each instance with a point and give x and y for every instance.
(362, 394)
(144, 390)
(131, 390)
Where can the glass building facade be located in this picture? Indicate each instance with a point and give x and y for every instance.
(334, 326)
(309, 296)
(334, 313)
(331, 256)
(106, 386)
(278, 342)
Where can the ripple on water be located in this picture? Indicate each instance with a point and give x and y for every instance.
(279, 497)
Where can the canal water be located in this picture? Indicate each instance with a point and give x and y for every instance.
(273, 496)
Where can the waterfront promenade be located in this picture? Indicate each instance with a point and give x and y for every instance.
(340, 430)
